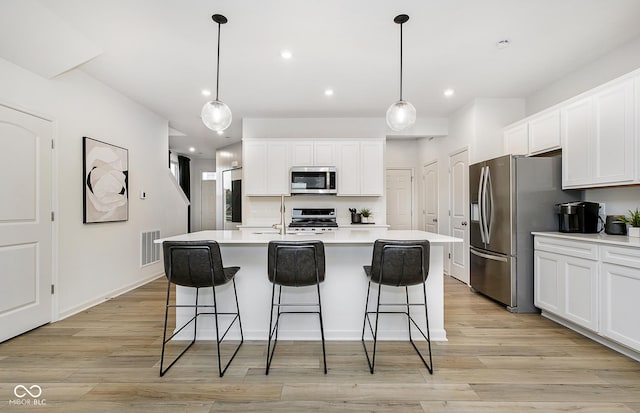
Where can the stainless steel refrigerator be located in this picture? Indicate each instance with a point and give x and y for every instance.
(510, 197)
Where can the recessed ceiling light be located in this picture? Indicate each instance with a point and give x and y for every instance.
(192, 149)
(449, 92)
(206, 92)
(286, 54)
(328, 92)
(503, 44)
(220, 132)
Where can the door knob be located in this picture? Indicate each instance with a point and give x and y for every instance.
(435, 220)
(464, 223)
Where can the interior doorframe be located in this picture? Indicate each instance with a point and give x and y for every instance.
(53, 175)
(414, 204)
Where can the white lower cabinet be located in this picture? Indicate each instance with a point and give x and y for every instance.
(620, 289)
(592, 285)
(567, 285)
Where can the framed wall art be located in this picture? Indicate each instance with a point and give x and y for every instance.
(106, 182)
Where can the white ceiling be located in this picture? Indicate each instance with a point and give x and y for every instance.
(162, 53)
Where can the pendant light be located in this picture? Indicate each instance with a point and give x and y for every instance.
(401, 115)
(216, 115)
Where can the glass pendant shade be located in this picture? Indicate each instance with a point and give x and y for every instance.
(401, 115)
(216, 115)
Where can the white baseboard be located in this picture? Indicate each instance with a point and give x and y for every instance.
(105, 297)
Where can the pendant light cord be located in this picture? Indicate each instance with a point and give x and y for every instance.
(401, 61)
(218, 64)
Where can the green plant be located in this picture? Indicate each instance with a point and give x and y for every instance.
(633, 219)
(365, 212)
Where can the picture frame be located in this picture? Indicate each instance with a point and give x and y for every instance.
(105, 171)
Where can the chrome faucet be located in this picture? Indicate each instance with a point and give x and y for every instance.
(282, 209)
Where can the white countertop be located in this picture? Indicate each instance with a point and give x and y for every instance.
(601, 238)
(360, 236)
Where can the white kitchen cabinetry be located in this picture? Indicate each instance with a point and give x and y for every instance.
(566, 280)
(360, 168)
(302, 154)
(620, 289)
(265, 167)
(544, 132)
(599, 138)
(516, 140)
(591, 283)
(313, 153)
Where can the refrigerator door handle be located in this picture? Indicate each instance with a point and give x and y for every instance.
(489, 195)
(487, 256)
(483, 208)
(480, 204)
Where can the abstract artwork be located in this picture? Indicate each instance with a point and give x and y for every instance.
(106, 191)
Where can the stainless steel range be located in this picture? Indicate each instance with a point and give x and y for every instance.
(313, 219)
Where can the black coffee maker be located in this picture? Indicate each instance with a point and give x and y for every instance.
(581, 217)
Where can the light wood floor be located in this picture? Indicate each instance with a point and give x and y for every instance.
(106, 360)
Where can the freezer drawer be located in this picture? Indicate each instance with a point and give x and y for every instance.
(493, 275)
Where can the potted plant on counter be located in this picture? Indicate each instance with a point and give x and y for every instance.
(366, 213)
(634, 221)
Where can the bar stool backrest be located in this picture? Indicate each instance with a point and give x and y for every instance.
(193, 263)
(294, 263)
(400, 263)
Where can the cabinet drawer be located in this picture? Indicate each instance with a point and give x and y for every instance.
(572, 248)
(629, 257)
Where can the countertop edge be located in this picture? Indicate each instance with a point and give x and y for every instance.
(600, 238)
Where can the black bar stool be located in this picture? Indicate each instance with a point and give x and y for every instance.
(397, 264)
(294, 264)
(198, 264)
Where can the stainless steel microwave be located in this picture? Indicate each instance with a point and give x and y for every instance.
(313, 180)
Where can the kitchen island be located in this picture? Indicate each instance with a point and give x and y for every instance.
(343, 292)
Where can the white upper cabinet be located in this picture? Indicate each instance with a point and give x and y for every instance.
(360, 168)
(516, 140)
(576, 138)
(599, 138)
(302, 154)
(265, 167)
(359, 164)
(324, 153)
(313, 153)
(544, 132)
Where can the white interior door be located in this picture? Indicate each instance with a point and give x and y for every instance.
(459, 210)
(399, 198)
(430, 201)
(25, 222)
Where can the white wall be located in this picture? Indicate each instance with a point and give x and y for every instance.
(97, 261)
(624, 59)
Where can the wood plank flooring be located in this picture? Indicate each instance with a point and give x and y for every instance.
(106, 360)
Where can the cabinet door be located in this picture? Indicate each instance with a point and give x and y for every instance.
(348, 169)
(324, 154)
(372, 171)
(254, 165)
(614, 134)
(547, 281)
(277, 168)
(576, 132)
(544, 132)
(516, 140)
(620, 286)
(302, 154)
(580, 301)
